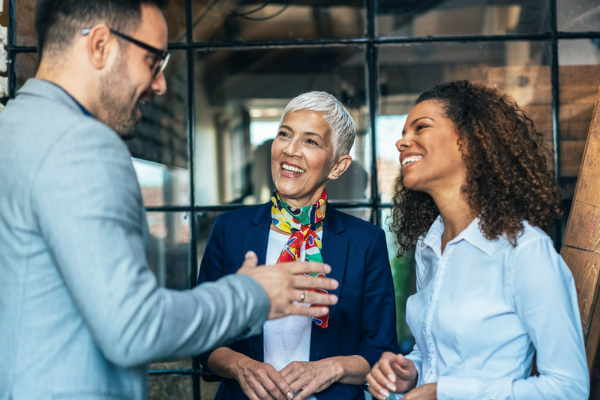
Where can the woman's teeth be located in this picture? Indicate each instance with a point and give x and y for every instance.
(409, 160)
(291, 168)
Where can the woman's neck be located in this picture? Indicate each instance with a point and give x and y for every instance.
(456, 214)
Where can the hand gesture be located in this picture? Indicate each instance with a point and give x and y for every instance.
(392, 373)
(286, 284)
(261, 381)
(310, 377)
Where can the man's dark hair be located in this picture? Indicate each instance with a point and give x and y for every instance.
(57, 22)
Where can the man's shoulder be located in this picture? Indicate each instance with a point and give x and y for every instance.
(44, 107)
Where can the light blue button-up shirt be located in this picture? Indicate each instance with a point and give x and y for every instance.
(483, 308)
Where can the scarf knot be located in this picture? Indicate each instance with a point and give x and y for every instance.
(301, 223)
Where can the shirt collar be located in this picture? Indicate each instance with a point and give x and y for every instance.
(83, 109)
(471, 234)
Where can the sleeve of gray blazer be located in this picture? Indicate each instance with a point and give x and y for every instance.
(89, 210)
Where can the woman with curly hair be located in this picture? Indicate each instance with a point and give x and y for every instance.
(474, 198)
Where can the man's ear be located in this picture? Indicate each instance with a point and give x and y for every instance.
(341, 165)
(100, 44)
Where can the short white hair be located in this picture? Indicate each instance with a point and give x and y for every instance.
(341, 124)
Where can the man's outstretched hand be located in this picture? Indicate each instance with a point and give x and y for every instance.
(286, 284)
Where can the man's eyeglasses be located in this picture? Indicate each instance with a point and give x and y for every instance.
(163, 56)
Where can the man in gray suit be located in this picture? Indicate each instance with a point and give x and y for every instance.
(81, 314)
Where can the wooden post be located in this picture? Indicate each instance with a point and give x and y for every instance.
(581, 246)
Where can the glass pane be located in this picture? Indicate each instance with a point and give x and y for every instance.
(183, 363)
(240, 96)
(27, 64)
(169, 249)
(162, 185)
(362, 213)
(25, 11)
(403, 274)
(520, 69)
(249, 20)
(579, 75)
(175, 16)
(163, 140)
(25, 14)
(170, 387)
(460, 17)
(578, 15)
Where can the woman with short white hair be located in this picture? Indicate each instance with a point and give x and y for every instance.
(299, 357)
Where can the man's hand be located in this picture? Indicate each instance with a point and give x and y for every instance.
(286, 284)
(392, 373)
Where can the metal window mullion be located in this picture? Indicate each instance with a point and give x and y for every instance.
(554, 73)
(12, 64)
(191, 117)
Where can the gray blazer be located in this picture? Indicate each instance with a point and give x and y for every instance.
(80, 311)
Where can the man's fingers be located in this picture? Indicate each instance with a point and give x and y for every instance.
(299, 267)
(317, 298)
(313, 282)
(250, 262)
(312, 311)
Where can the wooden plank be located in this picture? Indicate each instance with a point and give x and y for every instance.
(581, 248)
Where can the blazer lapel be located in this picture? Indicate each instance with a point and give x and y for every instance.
(335, 250)
(256, 238)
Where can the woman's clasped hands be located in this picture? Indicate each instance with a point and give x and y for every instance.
(298, 380)
(394, 373)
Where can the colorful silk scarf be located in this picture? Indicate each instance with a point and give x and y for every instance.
(301, 224)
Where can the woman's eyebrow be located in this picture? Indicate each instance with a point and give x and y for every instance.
(420, 118)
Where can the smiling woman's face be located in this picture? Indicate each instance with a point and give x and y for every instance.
(302, 158)
(430, 156)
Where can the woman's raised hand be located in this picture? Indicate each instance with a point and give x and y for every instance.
(392, 373)
(261, 381)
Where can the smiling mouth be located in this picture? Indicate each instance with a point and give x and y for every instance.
(410, 160)
(291, 169)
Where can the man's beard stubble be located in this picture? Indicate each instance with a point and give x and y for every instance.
(120, 110)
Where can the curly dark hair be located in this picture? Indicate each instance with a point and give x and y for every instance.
(508, 180)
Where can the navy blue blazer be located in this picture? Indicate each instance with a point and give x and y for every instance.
(363, 322)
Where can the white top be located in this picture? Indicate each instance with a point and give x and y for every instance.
(482, 309)
(286, 339)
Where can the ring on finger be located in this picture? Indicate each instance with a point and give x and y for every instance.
(302, 296)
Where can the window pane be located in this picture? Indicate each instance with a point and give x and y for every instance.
(170, 387)
(403, 274)
(460, 17)
(579, 75)
(578, 15)
(520, 69)
(246, 21)
(25, 14)
(27, 64)
(183, 363)
(240, 96)
(162, 141)
(169, 249)
(175, 16)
